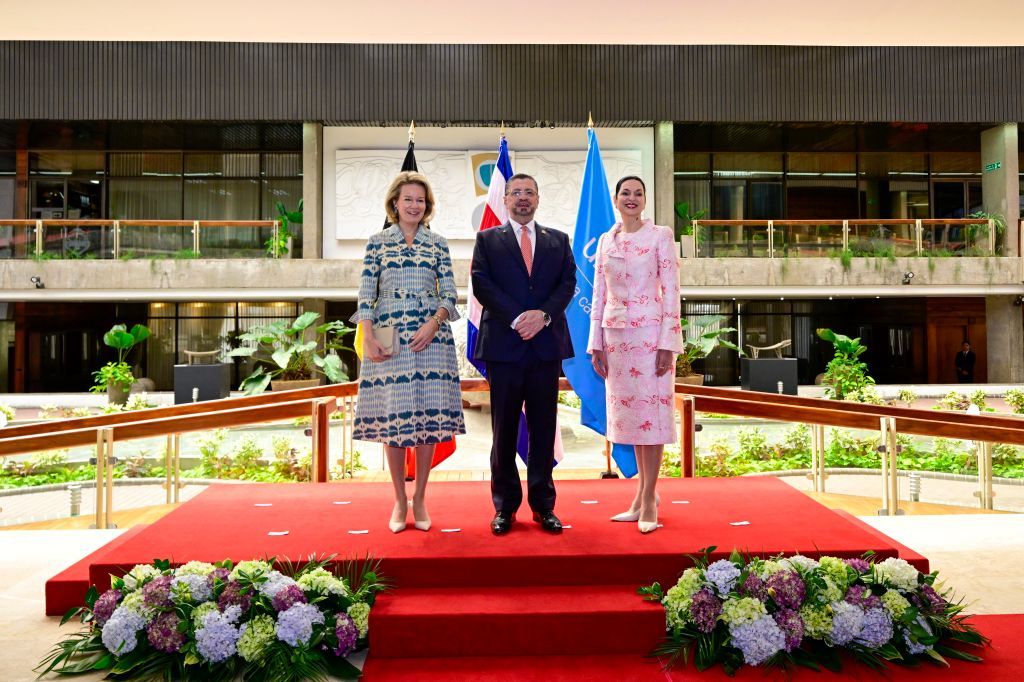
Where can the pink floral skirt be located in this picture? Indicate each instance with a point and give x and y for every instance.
(640, 405)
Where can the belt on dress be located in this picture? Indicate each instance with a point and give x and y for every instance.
(406, 293)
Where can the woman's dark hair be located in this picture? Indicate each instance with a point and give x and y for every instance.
(618, 185)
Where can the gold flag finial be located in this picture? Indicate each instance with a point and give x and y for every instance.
(503, 127)
(412, 131)
(590, 120)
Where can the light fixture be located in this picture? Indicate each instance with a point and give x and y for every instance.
(907, 276)
(1018, 301)
(37, 281)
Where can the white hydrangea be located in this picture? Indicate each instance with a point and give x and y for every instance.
(200, 568)
(322, 581)
(799, 561)
(139, 576)
(897, 573)
(276, 581)
(250, 568)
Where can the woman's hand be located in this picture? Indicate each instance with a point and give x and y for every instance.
(372, 350)
(600, 362)
(665, 361)
(424, 335)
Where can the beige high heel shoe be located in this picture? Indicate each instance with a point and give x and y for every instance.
(630, 517)
(398, 526)
(647, 526)
(418, 524)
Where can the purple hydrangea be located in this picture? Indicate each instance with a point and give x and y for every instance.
(913, 646)
(104, 607)
(723, 574)
(786, 588)
(861, 596)
(858, 564)
(347, 634)
(759, 640)
(157, 592)
(875, 628)
(234, 595)
(846, 623)
(932, 600)
(220, 574)
(295, 625)
(288, 597)
(217, 638)
(275, 582)
(120, 633)
(163, 632)
(705, 608)
(753, 586)
(792, 626)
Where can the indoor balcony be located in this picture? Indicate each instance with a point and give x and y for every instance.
(867, 257)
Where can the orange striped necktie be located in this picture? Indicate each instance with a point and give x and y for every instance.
(527, 248)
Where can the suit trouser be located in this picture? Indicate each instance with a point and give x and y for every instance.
(535, 383)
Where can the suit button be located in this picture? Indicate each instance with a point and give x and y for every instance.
(531, 288)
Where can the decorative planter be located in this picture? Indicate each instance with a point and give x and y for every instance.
(116, 395)
(687, 246)
(280, 385)
(691, 380)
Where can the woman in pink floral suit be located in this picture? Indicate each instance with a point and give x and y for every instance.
(634, 338)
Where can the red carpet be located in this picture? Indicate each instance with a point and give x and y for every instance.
(1003, 662)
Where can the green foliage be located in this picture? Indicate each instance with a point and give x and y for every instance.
(845, 373)
(54, 412)
(113, 374)
(978, 398)
(282, 351)
(686, 218)
(907, 396)
(279, 247)
(569, 399)
(7, 411)
(955, 401)
(119, 373)
(701, 336)
(1015, 399)
(846, 259)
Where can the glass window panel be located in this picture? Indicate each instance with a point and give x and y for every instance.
(728, 199)
(7, 164)
(828, 165)
(137, 165)
(821, 137)
(282, 165)
(222, 199)
(274, 309)
(746, 165)
(696, 194)
(692, 165)
(223, 165)
(145, 199)
(160, 352)
(288, 192)
(161, 309)
(962, 163)
(7, 197)
(901, 165)
(65, 163)
(206, 309)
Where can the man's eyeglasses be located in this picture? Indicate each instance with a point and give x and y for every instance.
(529, 193)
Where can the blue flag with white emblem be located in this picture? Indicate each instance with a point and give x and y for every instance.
(595, 217)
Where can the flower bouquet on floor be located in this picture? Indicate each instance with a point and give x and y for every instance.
(801, 611)
(203, 621)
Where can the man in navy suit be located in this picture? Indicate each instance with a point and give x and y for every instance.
(524, 276)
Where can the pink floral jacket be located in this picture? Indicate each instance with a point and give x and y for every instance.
(636, 284)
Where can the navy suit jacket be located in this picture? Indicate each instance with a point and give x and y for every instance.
(504, 289)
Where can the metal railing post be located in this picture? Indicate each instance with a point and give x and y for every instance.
(117, 239)
(168, 471)
(818, 457)
(109, 512)
(274, 235)
(846, 235)
(919, 236)
(687, 437)
(771, 239)
(890, 471)
(195, 236)
(985, 492)
(991, 237)
(100, 460)
(177, 468)
(321, 440)
(39, 237)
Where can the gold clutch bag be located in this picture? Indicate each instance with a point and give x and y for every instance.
(385, 336)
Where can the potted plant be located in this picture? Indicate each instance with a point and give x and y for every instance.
(684, 229)
(116, 378)
(701, 336)
(287, 357)
(845, 374)
(281, 246)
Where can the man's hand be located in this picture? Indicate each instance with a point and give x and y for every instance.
(600, 362)
(530, 324)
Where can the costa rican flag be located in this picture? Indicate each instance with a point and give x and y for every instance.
(496, 215)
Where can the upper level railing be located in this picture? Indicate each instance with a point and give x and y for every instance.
(130, 239)
(834, 238)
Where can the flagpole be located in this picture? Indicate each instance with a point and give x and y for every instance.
(608, 473)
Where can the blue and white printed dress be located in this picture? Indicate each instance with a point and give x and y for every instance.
(410, 398)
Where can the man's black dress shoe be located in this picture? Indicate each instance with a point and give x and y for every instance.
(502, 522)
(548, 521)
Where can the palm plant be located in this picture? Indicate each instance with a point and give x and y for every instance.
(701, 336)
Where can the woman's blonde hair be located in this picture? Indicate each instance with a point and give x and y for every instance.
(395, 189)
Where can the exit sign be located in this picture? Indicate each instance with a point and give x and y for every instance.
(994, 166)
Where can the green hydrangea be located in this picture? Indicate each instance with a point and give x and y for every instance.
(323, 582)
(139, 576)
(134, 601)
(743, 610)
(203, 610)
(817, 620)
(767, 567)
(251, 568)
(895, 603)
(360, 615)
(677, 599)
(835, 570)
(195, 568)
(832, 591)
(257, 636)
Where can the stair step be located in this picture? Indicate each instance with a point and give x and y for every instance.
(528, 621)
(602, 668)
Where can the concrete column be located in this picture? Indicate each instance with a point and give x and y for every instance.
(1000, 180)
(1004, 331)
(312, 190)
(664, 174)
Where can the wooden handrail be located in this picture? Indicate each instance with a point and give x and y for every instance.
(856, 415)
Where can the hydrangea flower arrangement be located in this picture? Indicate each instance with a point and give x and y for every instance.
(802, 611)
(203, 621)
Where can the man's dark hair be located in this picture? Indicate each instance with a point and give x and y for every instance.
(523, 176)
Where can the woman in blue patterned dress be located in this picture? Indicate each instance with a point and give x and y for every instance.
(411, 398)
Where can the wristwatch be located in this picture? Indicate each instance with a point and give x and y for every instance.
(547, 318)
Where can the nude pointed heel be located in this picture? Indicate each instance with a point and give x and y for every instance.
(398, 526)
(627, 517)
